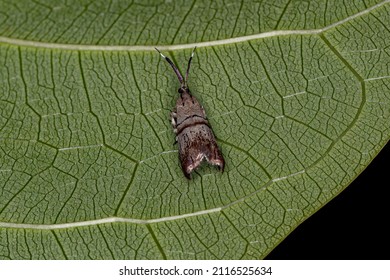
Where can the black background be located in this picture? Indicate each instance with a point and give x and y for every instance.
(354, 225)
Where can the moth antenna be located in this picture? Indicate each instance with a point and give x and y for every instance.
(189, 65)
(177, 72)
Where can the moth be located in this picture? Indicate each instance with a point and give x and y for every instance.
(194, 135)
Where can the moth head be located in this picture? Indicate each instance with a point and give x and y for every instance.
(183, 89)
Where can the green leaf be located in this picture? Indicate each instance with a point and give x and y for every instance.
(297, 93)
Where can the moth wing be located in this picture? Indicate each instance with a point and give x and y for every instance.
(214, 156)
(195, 144)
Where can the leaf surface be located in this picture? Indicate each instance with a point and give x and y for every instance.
(297, 93)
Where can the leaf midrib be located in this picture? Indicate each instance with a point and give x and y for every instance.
(80, 47)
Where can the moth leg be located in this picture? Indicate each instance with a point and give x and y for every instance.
(204, 112)
(174, 124)
(174, 119)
